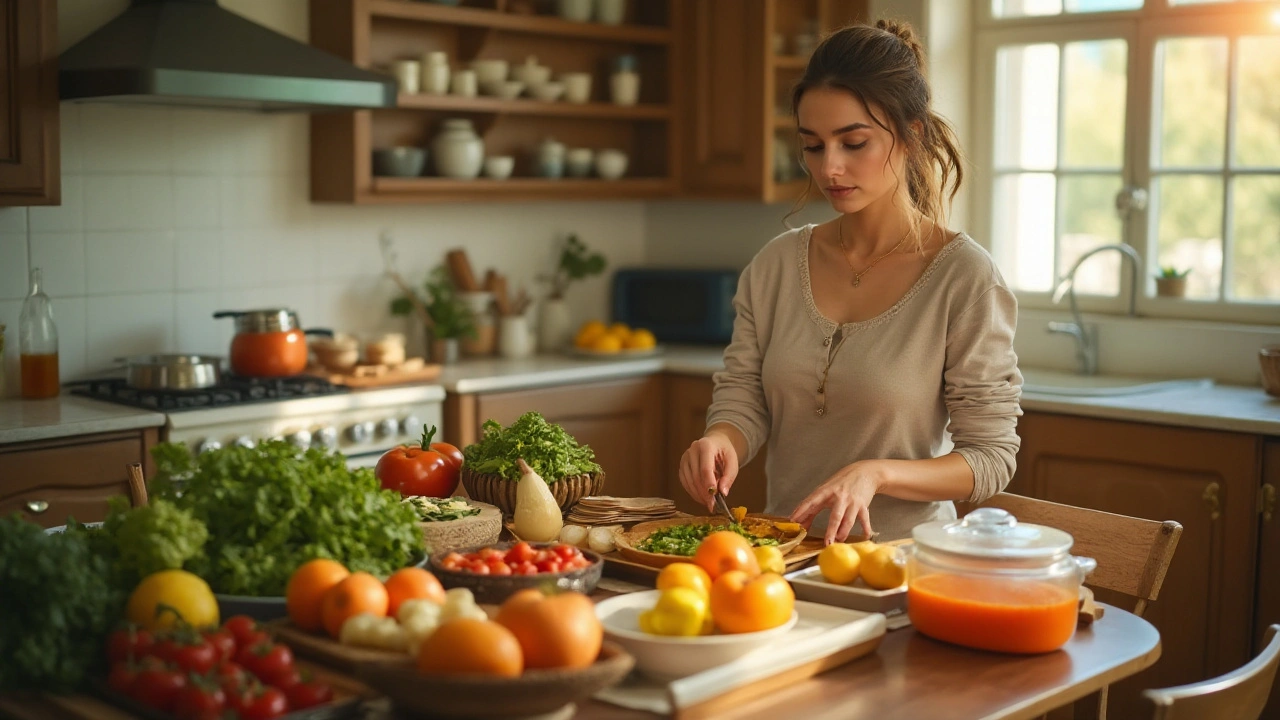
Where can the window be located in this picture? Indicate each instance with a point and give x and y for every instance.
(1154, 124)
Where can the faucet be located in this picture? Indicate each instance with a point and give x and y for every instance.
(1087, 336)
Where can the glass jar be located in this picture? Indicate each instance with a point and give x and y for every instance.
(992, 583)
(38, 343)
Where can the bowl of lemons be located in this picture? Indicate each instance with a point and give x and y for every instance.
(597, 340)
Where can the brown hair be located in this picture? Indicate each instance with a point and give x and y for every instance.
(884, 66)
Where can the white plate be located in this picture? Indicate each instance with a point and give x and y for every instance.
(620, 355)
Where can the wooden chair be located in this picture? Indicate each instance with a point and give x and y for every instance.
(1133, 555)
(1239, 695)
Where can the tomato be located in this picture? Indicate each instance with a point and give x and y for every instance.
(527, 568)
(190, 654)
(287, 679)
(419, 469)
(243, 628)
(130, 642)
(743, 603)
(232, 676)
(488, 552)
(157, 687)
(521, 552)
(121, 677)
(308, 694)
(265, 705)
(223, 641)
(268, 661)
(199, 701)
(451, 453)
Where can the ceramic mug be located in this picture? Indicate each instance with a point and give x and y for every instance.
(499, 167)
(577, 87)
(408, 75)
(464, 83)
(578, 162)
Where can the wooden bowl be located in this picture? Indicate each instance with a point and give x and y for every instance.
(477, 530)
(1269, 359)
(499, 491)
(536, 692)
(628, 541)
(494, 589)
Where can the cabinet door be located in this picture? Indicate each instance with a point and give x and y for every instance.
(1268, 606)
(1203, 479)
(620, 420)
(687, 401)
(47, 481)
(29, 161)
(725, 99)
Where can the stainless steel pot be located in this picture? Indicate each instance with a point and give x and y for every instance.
(173, 372)
(259, 321)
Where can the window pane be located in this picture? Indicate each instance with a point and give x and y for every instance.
(1026, 127)
(1023, 222)
(1255, 238)
(1023, 8)
(1088, 220)
(1190, 230)
(1088, 6)
(1193, 101)
(1258, 102)
(1093, 103)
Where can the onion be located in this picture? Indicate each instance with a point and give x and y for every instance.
(601, 540)
(573, 535)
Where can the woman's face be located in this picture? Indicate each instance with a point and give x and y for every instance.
(849, 156)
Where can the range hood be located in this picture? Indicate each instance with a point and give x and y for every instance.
(195, 53)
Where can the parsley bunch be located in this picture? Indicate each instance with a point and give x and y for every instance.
(549, 450)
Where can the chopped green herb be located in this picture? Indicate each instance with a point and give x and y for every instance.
(438, 510)
(684, 539)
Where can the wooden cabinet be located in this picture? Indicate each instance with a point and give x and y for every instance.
(373, 33)
(1206, 480)
(740, 137)
(1267, 608)
(48, 480)
(688, 398)
(29, 160)
(621, 420)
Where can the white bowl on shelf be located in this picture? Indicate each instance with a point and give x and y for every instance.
(505, 89)
(611, 164)
(668, 658)
(549, 91)
(499, 167)
(490, 70)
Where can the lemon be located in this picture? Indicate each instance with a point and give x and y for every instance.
(162, 597)
(770, 559)
(839, 563)
(641, 340)
(685, 574)
(865, 548)
(587, 337)
(621, 328)
(594, 327)
(880, 569)
(607, 343)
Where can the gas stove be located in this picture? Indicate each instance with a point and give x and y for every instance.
(306, 411)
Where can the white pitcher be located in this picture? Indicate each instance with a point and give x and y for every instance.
(457, 150)
(515, 339)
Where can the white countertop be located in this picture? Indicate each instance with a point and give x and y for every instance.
(68, 415)
(481, 376)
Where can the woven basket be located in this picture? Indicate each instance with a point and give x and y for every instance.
(499, 491)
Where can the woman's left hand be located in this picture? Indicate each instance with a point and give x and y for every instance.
(848, 494)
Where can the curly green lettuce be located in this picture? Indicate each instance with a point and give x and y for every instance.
(551, 451)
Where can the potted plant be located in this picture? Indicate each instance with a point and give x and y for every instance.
(1171, 282)
(575, 263)
(449, 318)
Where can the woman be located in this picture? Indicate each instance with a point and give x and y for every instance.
(874, 352)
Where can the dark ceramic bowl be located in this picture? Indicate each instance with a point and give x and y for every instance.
(493, 589)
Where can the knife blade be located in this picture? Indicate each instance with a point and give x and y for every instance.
(722, 504)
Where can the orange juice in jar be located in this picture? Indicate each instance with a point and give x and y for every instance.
(991, 583)
(38, 344)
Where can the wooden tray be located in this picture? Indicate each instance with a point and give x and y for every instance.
(627, 540)
(326, 651)
(392, 376)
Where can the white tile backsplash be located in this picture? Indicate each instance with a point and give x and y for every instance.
(70, 315)
(198, 258)
(13, 266)
(129, 262)
(196, 202)
(67, 217)
(195, 330)
(128, 324)
(13, 220)
(128, 202)
(70, 142)
(61, 259)
(120, 139)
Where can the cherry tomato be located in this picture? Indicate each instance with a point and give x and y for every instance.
(265, 705)
(500, 569)
(288, 679)
(566, 552)
(199, 701)
(223, 641)
(527, 568)
(243, 628)
(308, 694)
(121, 677)
(232, 677)
(194, 654)
(452, 561)
(486, 553)
(268, 661)
(131, 642)
(419, 469)
(521, 552)
(157, 688)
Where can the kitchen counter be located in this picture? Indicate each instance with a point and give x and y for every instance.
(498, 374)
(66, 416)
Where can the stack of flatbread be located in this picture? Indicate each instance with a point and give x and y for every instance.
(606, 510)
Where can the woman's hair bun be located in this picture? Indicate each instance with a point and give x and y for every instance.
(904, 32)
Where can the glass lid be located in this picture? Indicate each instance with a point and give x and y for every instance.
(992, 533)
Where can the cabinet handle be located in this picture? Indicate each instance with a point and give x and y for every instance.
(1210, 497)
(1268, 501)
(37, 506)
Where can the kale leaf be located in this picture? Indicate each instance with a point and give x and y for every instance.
(549, 450)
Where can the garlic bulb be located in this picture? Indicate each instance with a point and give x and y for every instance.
(601, 539)
(537, 515)
(573, 535)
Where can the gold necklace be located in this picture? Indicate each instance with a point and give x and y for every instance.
(844, 252)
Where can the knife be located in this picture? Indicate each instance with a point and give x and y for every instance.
(722, 504)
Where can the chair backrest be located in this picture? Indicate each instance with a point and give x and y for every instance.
(1133, 554)
(1241, 694)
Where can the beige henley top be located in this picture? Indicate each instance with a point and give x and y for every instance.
(934, 373)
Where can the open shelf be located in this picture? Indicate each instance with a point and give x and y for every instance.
(531, 24)
(392, 189)
(524, 106)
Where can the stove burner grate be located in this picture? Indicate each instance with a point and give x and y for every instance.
(233, 390)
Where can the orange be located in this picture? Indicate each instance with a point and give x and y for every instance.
(607, 342)
(357, 593)
(560, 631)
(412, 583)
(725, 550)
(640, 340)
(687, 575)
(741, 603)
(464, 646)
(304, 597)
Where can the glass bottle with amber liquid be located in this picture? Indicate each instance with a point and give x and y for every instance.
(38, 344)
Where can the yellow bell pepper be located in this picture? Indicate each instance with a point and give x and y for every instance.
(680, 611)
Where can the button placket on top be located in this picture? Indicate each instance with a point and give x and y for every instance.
(833, 337)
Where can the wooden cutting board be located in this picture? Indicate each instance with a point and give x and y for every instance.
(392, 376)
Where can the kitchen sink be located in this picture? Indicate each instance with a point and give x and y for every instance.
(1055, 382)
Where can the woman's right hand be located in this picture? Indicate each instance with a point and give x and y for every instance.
(708, 464)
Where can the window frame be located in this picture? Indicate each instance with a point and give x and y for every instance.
(1142, 30)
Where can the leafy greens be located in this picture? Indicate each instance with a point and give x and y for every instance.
(684, 539)
(549, 450)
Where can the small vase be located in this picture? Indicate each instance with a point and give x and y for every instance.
(458, 152)
(515, 340)
(1171, 287)
(554, 328)
(444, 351)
